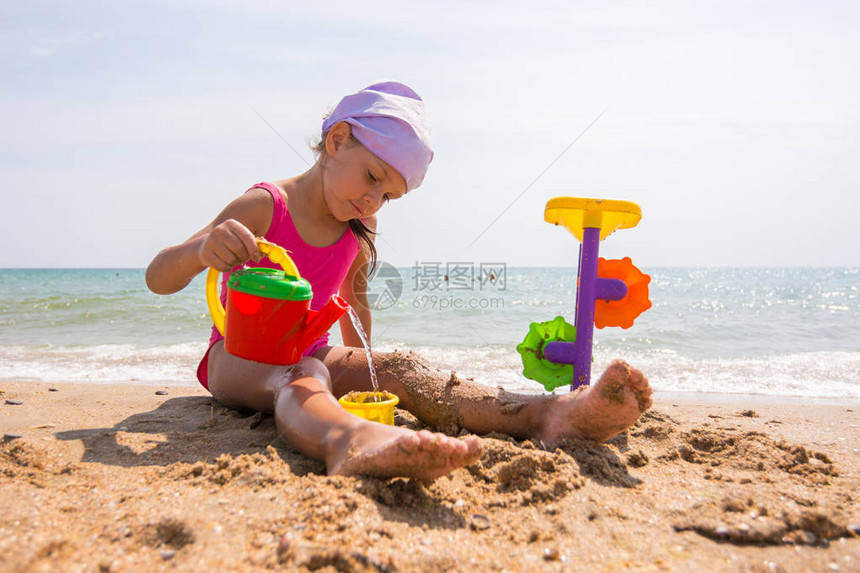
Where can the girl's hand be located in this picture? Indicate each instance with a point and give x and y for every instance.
(228, 245)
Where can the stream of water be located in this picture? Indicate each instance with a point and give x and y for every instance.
(356, 322)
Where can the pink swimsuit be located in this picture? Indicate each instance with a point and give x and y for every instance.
(324, 267)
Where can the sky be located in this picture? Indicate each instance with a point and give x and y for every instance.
(127, 126)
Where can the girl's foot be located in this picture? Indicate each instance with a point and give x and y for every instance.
(600, 411)
(389, 451)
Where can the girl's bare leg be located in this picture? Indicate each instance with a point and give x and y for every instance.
(443, 400)
(309, 417)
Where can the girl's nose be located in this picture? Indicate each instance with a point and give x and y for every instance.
(374, 199)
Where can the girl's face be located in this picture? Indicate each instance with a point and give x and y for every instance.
(357, 183)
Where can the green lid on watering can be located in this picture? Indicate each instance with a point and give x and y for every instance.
(270, 283)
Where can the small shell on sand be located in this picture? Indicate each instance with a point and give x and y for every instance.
(479, 522)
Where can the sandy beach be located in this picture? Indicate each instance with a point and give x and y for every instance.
(144, 478)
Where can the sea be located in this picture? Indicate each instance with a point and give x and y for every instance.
(767, 331)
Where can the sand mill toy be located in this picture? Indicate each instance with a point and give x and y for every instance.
(268, 319)
(609, 293)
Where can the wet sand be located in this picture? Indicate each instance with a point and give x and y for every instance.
(119, 478)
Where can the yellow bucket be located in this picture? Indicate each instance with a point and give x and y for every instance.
(373, 406)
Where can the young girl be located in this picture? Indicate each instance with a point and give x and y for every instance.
(375, 148)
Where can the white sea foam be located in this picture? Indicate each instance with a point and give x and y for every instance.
(105, 363)
(813, 374)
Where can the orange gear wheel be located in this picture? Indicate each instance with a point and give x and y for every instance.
(622, 312)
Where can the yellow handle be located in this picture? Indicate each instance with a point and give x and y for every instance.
(279, 256)
(273, 252)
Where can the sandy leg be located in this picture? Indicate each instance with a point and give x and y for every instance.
(447, 402)
(388, 451)
(309, 417)
(600, 411)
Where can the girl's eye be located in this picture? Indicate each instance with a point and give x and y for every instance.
(372, 177)
(386, 197)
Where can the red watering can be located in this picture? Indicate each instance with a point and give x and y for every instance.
(268, 317)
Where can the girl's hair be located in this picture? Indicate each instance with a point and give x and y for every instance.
(362, 231)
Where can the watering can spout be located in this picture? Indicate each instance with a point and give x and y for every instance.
(319, 321)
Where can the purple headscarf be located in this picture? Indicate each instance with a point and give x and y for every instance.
(389, 119)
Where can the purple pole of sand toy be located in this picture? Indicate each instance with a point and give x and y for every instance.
(584, 320)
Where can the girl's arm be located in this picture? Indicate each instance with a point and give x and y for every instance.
(354, 291)
(227, 241)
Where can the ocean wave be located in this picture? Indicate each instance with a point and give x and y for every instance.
(812, 374)
(106, 363)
